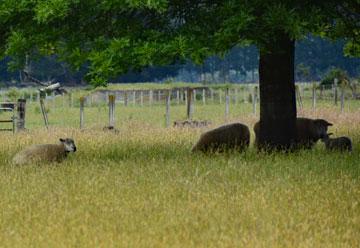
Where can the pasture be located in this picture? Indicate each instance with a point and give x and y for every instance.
(142, 187)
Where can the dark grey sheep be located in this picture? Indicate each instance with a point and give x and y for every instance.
(309, 131)
(230, 136)
(340, 143)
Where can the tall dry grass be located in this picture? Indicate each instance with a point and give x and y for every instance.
(143, 188)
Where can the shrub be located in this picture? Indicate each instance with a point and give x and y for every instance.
(13, 94)
(250, 98)
(198, 95)
(338, 73)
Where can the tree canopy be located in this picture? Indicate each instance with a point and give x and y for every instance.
(111, 36)
(114, 36)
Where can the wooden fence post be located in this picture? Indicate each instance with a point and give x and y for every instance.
(142, 98)
(314, 96)
(125, 98)
(353, 87)
(189, 103)
(181, 95)
(82, 104)
(53, 99)
(21, 107)
(107, 95)
(43, 111)
(298, 96)
(134, 97)
(342, 98)
(245, 94)
(159, 95)
(303, 90)
(150, 97)
(321, 92)
(193, 100)
(111, 110)
(227, 102)
(167, 114)
(177, 97)
(63, 101)
(254, 99)
(234, 96)
(335, 90)
(204, 96)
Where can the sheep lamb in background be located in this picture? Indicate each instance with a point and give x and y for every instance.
(230, 136)
(111, 129)
(340, 143)
(192, 123)
(45, 152)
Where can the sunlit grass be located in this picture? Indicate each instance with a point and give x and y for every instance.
(143, 188)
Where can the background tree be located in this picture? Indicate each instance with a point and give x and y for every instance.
(302, 72)
(314, 58)
(273, 26)
(320, 55)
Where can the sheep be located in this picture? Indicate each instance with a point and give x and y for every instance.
(234, 135)
(45, 152)
(181, 123)
(192, 123)
(341, 143)
(308, 131)
(111, 129)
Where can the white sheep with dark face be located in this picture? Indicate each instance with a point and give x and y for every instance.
(43, 153)
(340, 143)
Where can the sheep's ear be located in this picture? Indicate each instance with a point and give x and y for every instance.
(323, 122)
(328, 123)
(62, 140)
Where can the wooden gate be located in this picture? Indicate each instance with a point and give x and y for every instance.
(8, 107)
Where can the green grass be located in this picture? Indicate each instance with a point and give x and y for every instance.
(143, 188)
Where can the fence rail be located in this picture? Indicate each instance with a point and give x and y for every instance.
(8, 107)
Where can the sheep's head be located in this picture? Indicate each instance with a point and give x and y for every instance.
(69, 145)
(322, 127)
(326, 137)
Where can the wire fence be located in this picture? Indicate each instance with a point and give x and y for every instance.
(164, 107)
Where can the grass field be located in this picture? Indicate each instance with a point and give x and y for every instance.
(143, 188)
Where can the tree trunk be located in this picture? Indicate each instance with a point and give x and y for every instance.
(277, 94)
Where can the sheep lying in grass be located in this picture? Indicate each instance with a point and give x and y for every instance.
(235, 135)
(308, 131)
(341, 143)
(45, 152)
(111, 129)
(192, 123)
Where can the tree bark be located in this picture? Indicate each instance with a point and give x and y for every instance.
(277, 94)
